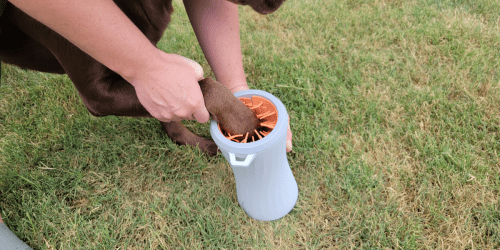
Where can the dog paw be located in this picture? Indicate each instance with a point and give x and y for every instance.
(182, 136)
(233, 116)
(209, 147)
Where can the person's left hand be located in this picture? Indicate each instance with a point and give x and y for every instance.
(288, 133)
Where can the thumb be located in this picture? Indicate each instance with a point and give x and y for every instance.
(202, 115)
(197, 68)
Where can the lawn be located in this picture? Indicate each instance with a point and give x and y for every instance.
(395, 114)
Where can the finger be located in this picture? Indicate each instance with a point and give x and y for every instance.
(163, 120)
(289, 137)
(197, 68)
(170, 119)
(201, 115)
(177, 119)
(160, 117)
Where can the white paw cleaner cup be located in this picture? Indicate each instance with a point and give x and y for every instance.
(265, 185)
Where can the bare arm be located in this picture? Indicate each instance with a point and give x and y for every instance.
(216, 25)
(97, 27)
(166, 84)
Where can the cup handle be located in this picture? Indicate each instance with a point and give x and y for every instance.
(245, 163)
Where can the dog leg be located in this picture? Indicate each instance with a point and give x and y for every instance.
(19, 49)
(182, 136)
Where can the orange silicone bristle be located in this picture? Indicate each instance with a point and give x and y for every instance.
(256, 106)
(246, 100)
(231, 137)
(257, 132)
(245, 140)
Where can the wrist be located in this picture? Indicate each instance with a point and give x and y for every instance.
(138, 65)
(239, 88)
(234, 82)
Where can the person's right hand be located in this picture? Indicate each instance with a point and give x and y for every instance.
(168, 88)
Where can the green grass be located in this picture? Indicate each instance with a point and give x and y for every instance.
(395, 110)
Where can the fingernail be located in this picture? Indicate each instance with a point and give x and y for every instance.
(289, 145)
(208, 114)
(196, 66)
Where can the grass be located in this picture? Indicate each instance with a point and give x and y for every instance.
(395, 111)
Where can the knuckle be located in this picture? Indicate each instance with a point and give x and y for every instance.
(166, 115)
(184, 113)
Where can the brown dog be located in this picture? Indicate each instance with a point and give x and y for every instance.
(29, 44)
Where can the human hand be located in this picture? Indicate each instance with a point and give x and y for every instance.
(243, 86)
(168, 88)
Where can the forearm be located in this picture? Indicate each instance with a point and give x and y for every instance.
(118, 44)
(216, 25)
